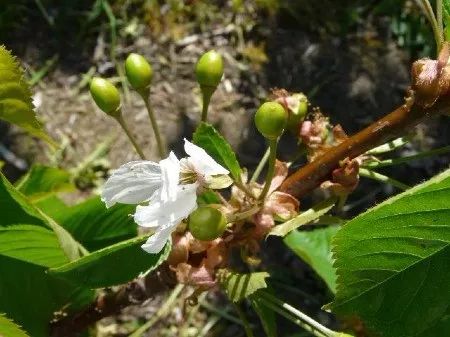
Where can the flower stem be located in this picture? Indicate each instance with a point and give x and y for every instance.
(206, 98)
(260, 166)
(247, 328)
(401, 160)
(145, 97)
(271, 170)
(380, 177)
(121, 121)
(428, 10)
(243, 215)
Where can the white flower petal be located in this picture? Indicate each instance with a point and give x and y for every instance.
(132, 183)
(160, 213)
(170, 174)
(202, 162)
(158, 240)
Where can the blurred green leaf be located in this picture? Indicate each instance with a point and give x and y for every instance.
(314, 247)
(30, 296)
(42, 181)
(112, 265)
(16, 106)
(393, 262)
(304, 218)
(207, 137)
(17, 209)
(94, 225)
(240, 286)
(9, 329)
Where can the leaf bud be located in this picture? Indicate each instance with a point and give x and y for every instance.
(271, 119)
(209, 70)
(297, 105)
(207, 223)
(105, 95)
(139, 71)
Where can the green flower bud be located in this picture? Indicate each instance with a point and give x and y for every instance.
(105, 95)
(139, 71)
(271, 119)
(209, 69)
(207, 223)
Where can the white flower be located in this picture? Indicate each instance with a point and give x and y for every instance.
(200, 161)
(169, 202)
(138, 181)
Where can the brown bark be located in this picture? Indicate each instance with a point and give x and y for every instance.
(395, 124)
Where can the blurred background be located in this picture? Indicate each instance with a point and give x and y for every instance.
(351, 58)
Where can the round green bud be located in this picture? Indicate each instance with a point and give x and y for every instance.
(209, 69)
(207, 223)
(105, 95)
(139, 71)
(270, 119)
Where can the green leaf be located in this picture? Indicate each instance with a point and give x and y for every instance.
(239, 286)
(42, 181)
(30, 296)
(32, 244)
(217, 147)
(266, 315)
(314, 247)
(16, 210)
(208, 197)
(393, 262)
(9, 329)
(113, 265)
(94, 225)
(442, 328)
(446, 8)
(304, 218)
(16, 106)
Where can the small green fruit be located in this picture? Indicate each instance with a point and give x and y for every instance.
(271, 119)
(207, 223)
(105, 95)
(209, 69)
(139, 71)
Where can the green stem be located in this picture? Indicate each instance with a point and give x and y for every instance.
(247, 328)
(396, 161)
(121, 121)
(271, 170)
(428, 10)
(380, 177)
(260, 166)
(292, 318)
(305, 319)
(206, 95)
(145, 96)
(164, 310)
